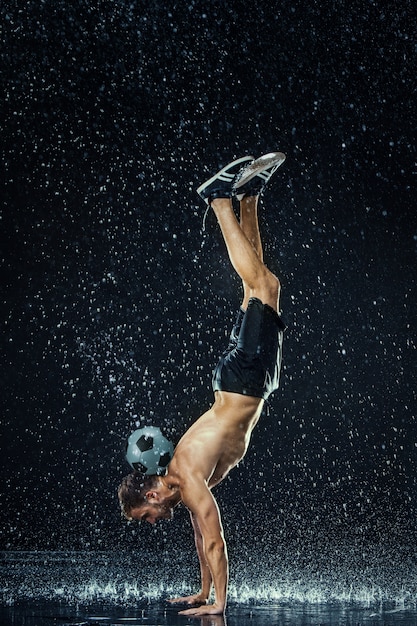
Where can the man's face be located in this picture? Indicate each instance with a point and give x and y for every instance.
(151, 513)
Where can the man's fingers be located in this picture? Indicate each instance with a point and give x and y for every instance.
(189, 600)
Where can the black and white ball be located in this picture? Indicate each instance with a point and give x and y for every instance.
(148, 451)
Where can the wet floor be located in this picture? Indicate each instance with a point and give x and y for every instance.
(292, 614)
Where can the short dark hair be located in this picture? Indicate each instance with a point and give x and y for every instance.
(132, 491)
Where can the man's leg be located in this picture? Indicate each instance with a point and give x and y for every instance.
(249, 222)
(250, 226)
(243, 244)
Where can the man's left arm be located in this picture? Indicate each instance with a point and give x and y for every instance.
(199, 500)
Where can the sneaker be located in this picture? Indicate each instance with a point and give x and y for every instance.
(253, 177)
(221, 184)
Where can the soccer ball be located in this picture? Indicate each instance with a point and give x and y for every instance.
(148, 451)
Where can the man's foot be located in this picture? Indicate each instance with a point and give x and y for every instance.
(221, 184)
(253, 177)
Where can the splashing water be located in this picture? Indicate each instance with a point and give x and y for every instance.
(109, 588)
(124, 580)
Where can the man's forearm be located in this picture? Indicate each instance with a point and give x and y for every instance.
(206, 579)
(216, 556)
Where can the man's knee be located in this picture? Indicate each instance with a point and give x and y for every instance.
(273, 286)
(267, 289)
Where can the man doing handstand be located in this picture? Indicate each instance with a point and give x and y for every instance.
(246, 374)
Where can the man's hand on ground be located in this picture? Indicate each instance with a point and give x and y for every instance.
(196, 600)
(208, 609)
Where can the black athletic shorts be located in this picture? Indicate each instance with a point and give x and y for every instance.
(252, 362)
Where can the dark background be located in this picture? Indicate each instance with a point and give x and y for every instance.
(116, 303)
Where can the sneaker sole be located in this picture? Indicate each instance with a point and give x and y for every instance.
(223, 174)
(273, 159)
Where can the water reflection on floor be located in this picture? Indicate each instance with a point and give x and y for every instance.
(297, 614)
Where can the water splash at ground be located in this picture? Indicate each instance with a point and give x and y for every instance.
(123, 580)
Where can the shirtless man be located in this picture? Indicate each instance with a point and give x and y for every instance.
(247, 373)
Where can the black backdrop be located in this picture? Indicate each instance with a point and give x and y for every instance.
(116, 303)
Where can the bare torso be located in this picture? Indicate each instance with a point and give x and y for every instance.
(217, 441)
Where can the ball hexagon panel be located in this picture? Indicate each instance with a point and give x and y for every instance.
(145, 442)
